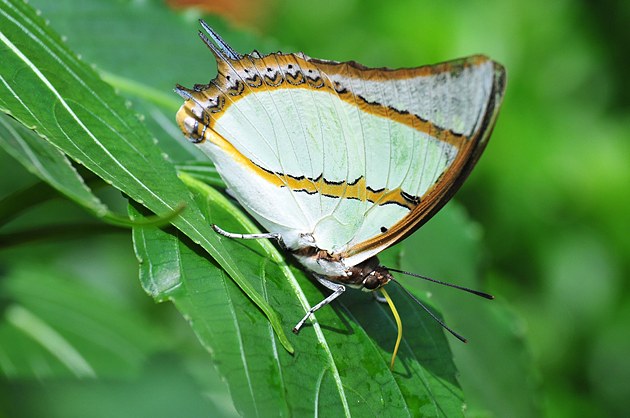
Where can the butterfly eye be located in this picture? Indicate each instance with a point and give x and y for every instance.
(371, 282)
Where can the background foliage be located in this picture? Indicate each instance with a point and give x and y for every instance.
(549, 202)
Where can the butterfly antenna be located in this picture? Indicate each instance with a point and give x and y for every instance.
(438, 320)
(465, 289)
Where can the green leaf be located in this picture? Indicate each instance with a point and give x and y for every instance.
(341, 362)
(149, 50)
(163, 389)
(48, 163)
(202, 171)
(49, 90)
(170, 51)
(55, 326)
(51, 165)
(496, 351)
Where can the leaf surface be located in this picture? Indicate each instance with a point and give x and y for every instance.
(496, 350)
(46, 88)
(53, 326)
(47, 162)
(341, 362)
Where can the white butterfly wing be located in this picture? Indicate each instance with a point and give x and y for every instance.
(339, 156)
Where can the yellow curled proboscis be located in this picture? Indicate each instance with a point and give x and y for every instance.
(398, 324)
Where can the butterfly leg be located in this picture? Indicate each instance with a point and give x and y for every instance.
(268, 235)
(337, 289)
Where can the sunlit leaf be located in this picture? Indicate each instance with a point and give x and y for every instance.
(47, 162)
(44, 86)
(341, 362)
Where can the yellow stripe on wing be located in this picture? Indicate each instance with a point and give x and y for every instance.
(357, 189)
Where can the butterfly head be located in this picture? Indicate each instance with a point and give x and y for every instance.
(376, 279)
(369, 275)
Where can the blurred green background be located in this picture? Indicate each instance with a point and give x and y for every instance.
(551, 193)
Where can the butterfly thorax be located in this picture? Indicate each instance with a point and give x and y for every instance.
(368, 275)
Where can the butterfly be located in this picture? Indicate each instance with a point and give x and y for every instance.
(338, 161)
